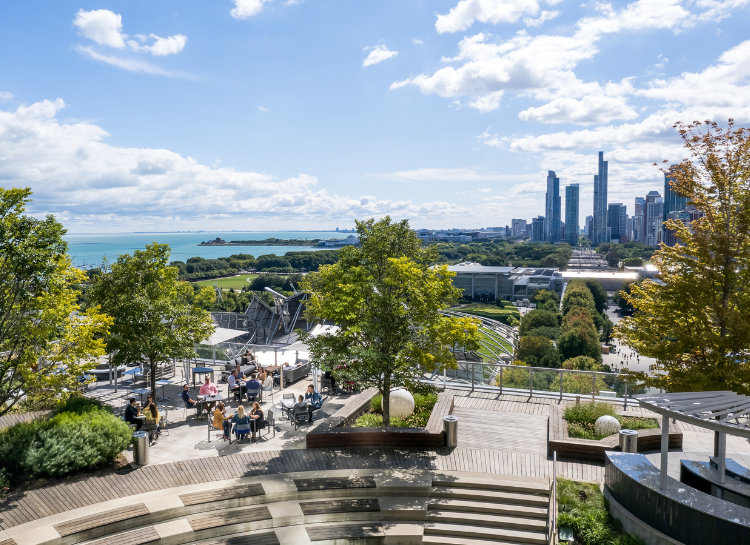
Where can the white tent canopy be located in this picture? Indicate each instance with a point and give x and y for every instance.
(222, 335)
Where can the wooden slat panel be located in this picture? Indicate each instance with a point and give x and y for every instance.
(101, 519)
(360, 505)
(226, 518)
(243, 491)
(141, 536)
(343, 531)
(331, 484)
(256, 538)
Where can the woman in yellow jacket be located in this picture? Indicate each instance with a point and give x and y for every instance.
(222, 421)
(153, 418)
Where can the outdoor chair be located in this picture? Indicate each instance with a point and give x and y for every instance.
(269, 389)
(253, 394)
(287, 412)
(212, 429)
(301, 416)
(188, 408)
(241, 431)
(327, 384)
(153, 431)
(270, 423)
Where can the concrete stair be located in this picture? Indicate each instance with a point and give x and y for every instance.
(446, 533)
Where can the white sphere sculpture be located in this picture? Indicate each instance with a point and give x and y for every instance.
(402, 403)
(606, 425)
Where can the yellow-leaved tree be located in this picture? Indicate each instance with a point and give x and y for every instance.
(695, 320)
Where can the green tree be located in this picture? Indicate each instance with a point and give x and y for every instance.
(632, 262)
(154, 313)
(46, 342)
(538, 318)
(386, 299)
(621, 298)
(696, 320)
(598, 293)
(579, 336)
(538, 352)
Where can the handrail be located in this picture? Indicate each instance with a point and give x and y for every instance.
(553, 502)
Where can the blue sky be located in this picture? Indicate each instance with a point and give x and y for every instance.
(273, 114)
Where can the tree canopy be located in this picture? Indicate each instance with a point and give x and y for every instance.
(386, 299)
(155, 317)
(696, 320)
(46, 342)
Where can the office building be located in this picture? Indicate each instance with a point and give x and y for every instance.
(537, 229)
(571, 214)
(588, 227)
(518, 228)
(552, 208)
(507, 283)
(672, 203)
(617, 218)
(654, 211)
(600, 202)
(638, 211)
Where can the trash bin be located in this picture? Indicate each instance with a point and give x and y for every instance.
(629, 441)
(140, 448)
(450, 429)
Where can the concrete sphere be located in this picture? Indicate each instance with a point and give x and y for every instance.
(402, 403)
(606, 425)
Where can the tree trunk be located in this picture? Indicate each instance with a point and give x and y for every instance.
(386, 399)
(153, 365)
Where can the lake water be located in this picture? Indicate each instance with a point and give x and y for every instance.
(87, 251)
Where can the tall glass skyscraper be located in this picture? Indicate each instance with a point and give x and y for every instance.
(600, 202)
(617, 221)
(672, 203)
(552, 208)
(571, 214)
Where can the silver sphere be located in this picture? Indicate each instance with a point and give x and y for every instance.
(402, 403)
(606, 425)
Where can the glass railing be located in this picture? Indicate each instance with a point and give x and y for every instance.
(506, 378)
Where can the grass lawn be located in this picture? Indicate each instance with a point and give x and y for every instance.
(491, 311)
(236, 282)
(484, 352)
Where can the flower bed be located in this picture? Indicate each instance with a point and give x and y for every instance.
(581, 419)
(423, 404)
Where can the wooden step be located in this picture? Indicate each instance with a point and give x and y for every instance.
(492, 508)
(489, 496)
(453, 540)
(488, 520)
(530, 486)
(480, 532)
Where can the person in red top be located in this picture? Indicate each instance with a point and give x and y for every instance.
(208, 388)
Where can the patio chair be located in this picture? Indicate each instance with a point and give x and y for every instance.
(270, 423)
(268, 387)
(188, 408)
(211, 428)
(253, 394)
(153, 430)
(327, 384)
(241, 431)
(287, 412)
(301, 416)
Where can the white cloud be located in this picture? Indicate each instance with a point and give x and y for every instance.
(262, 109)
(377, 54)
(167, 46)
(5, 96)
(75, 174)
(487, 103)
(416, 41)
(590, 109)
(446, 175)
(485, 190)
(102, 26)
(127, 63)
(466, 12)
(543, 18)
(246, 8)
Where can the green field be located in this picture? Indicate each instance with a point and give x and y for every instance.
(236, 282)
(491, 311)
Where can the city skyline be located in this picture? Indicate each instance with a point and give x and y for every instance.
(187, 115)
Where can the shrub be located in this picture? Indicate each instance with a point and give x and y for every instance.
(370, 420)
(4, 482)
(587, 515)
(80, 405)
(587, 413)
(581, 419)
(376, 404)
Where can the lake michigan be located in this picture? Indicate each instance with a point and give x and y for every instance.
(87, 251)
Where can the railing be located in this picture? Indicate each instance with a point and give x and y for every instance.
(553, 501)
(536, 381)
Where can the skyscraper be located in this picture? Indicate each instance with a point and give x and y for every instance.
(588, 227)
(552, 209)
(518, 228)
(672, 203)
(571, 214)
(600, 202)
(617, 221)
(652, 218)
(639, 220)
(537, 229)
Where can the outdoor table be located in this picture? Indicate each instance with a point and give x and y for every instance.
(202, 371)
(141, 392)
(203, 400)
(163, 382)
(287, 406)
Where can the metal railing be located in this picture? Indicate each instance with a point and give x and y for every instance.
(536, 381)
(553, 501)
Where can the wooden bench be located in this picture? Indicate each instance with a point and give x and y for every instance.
(358, 505)
(331, 532)
(214, 496)
(229, 518)
(256, 538)
(106, 522)
(305, 485)
(591, 449)
(443, 407)
(141, 536)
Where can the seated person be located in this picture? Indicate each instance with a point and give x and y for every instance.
(153, 417)
(253, 384)
(149, 401)
(234, 384)
(240, 373)
(329, 376)
(189, 401)
(250, 357)
(131, 411)
(256, 419)
(240, 418)
(300, 405)
(268, 383)
(208, 388)
(222, 421)
(315, 399)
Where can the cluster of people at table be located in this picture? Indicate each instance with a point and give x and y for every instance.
(148, 414)
(239, 384)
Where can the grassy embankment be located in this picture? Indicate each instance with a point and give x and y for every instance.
(236, 282)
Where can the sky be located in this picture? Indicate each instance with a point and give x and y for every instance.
(137, 115)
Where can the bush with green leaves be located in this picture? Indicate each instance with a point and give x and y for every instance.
(583, 508)
(83, 435)
(581, 419)
(4, 482)
(423, 404)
